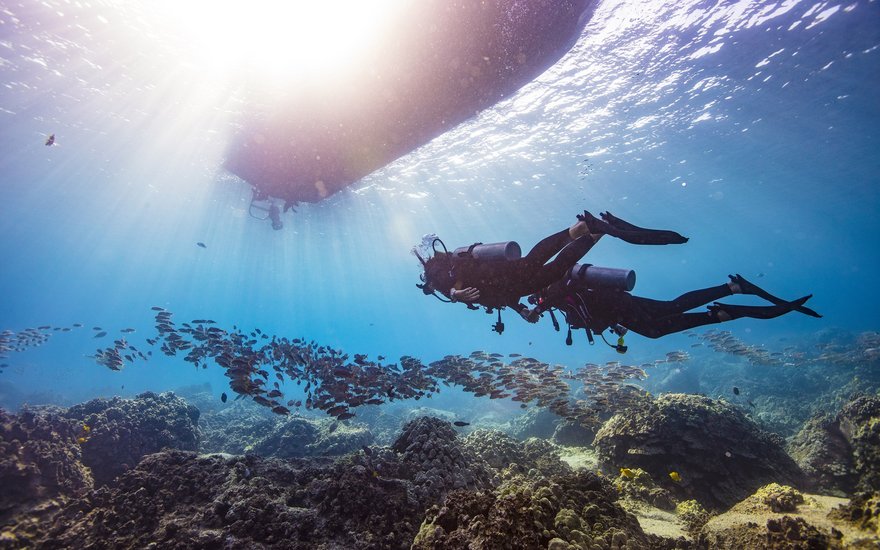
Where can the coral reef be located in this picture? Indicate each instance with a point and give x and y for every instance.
(374, 498)
(122, 431)
(841, 454)
(573, 434)
(235, 429)
(863, 511)
(429, 447)
(544, 458)
(780, 498)
(510, 457)
(179, 499)
(40, 469)
(636, 484)
(859, 422)
(693, 515)
(720, 454)
(783, 533)
(535, 422)
(290, 438)
(498, 450)
(822, 452)
(576, 510)
(779, 517)
(245, 428)
(795, 533)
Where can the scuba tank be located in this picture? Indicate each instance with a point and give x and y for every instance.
(594, 277)
(508, 250)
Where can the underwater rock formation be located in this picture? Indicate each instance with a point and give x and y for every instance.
(576, 510)
(40, 467)
(824, 455)
(863, 511)
(780, 517)
(179, 499)
(780, 498)
(636, 484)
(509, 457)
(720, 455)
(573, 434)
(535, 422)
(122, 431)
(860, 424)
(246, 428)
(430, 448)
(235, 429)
(498, 450)
(374, 498)
(288, 439)
(693, 515)
(841, 453)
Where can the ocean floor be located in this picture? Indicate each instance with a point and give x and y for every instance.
(159, 470)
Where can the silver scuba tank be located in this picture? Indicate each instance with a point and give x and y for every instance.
(508, 250)
(591, 276)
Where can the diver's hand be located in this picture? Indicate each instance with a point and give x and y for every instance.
(469, 294)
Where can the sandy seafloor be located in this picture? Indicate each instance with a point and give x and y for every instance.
(750, 127)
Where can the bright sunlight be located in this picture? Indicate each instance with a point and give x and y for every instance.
(272, 42)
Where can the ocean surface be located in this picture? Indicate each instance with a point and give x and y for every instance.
(750, 127)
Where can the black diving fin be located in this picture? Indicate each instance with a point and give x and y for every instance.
(633, 234)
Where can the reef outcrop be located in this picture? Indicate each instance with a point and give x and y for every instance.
(40, 469)
(180, 499)
(720, 455)
(573, 434)
(374, 498)
(841, 453)
(122, 431)
(245, 428)
(535, 422)
(573, 511)
(781, 518)
(430, 450)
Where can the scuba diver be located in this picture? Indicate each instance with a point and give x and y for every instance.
(596, 299)
(589, 297)
(495, 277)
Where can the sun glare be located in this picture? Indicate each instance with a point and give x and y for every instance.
(274, 41)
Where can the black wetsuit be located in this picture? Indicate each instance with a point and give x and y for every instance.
(656, 318)
(503, 282)
(651, 318)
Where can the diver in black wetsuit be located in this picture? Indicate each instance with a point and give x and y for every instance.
(466, 278)
(598, 309)
(552, 285)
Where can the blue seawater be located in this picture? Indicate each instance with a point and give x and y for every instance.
(751, 127)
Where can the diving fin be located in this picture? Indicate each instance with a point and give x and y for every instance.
(757, 312)
(750, 288)
(633, 234)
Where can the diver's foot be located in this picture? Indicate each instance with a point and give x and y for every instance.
(618, 223)
(579, 229)
(594, 225)
(728, 312)
(739, 285)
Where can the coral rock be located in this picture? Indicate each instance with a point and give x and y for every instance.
(122, 431)
(721, 455)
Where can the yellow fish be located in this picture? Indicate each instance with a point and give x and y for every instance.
(675, 476)
(86, 428)
(80, 440)
(627, 473)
